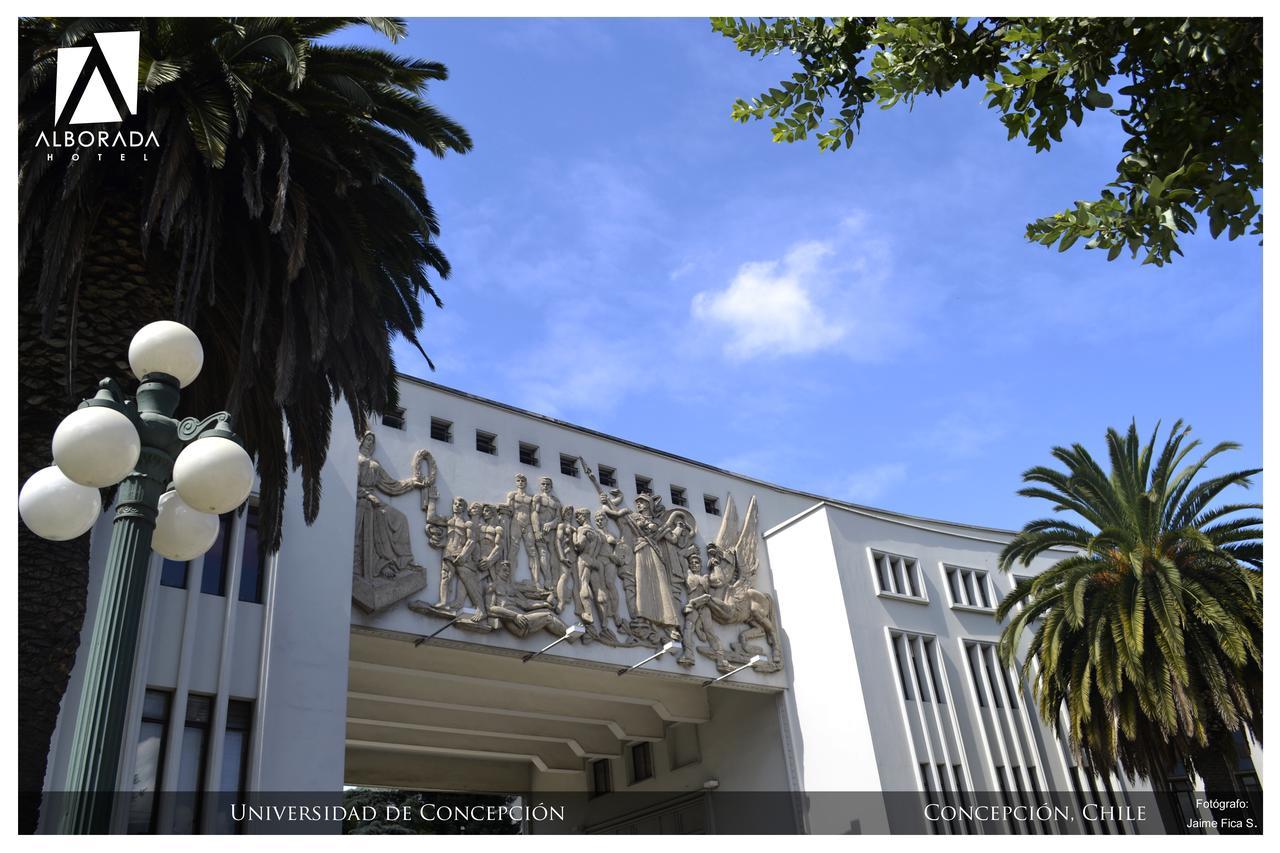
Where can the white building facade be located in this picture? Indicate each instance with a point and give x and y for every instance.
(816, 653)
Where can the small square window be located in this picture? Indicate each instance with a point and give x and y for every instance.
(174, 574)
(394, 418)
(641, 761)
(678, 497)
(568, 465)
(608, 476)
(529, 454)
(441, 430)
(644, 486)
(711, 505)
(601, 777)
(486, 442)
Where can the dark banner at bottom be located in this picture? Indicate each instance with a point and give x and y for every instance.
(702, 811)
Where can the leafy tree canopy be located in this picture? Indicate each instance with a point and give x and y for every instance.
(1187, 91)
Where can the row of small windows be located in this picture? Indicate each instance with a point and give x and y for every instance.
(901, 576)
(682, 750)
(217, 561)
(528, 454)
(194, 746)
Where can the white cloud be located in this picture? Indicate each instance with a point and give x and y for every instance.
(822, 295)
(869, 484)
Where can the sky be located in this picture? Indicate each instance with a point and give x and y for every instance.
(869, 325)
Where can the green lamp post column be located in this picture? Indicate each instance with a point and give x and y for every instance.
(215, 478)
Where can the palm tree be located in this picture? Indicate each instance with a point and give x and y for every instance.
(1149, 635)
(279, 214)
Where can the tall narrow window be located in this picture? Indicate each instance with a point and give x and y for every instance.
(190, 788)
(529, 454)
(608, 477)
(903, 678)
(486, 442)
(235, 760)
(174, 573)
(148, 761)
(601, 777)
(641, 761)
(678, 497)
(250, 559)
(568, 465)
(213, 578)
(930, 654)
(441, 430)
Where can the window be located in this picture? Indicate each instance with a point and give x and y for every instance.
(174, 574)
(235, 759)
(568, 465)
(916, 660)
(394, 418)
(711, 505)
(641, 762)
(644, 485)
(486, 442)
(250, 559)
(990, 678)
(213, 580)
(190, 787)
(441, 430)
(608, 476)
(678, 497)
(898, 576)
(969, 588)
(601, 777)
(529, 454)
(148, 761)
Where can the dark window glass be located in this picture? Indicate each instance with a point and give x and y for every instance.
(191, 764)
(601, 778)
(250, 559)
(174, 574)
(678, 497)
(213, 579)
(441, 430)
(148, 762)
(608, 476)
(394, 418)
(912, 569)
(897, 640)
(982, 589)
(529, 454)
(929, 653)
(644, 486)
(953, 583)
(711, 505)
(971, 652)
(235, 760)
(913, 647)
(569, 465)
(487, 442)
(641, 762)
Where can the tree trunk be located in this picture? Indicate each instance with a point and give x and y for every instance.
(118, 293)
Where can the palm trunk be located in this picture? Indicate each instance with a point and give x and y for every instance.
(118, 293)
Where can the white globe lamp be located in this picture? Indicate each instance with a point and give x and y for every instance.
(166, 347)
(213, 474)
(96, 446)
(57, 508)
(182, 533)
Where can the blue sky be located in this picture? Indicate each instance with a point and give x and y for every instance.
(868, 325)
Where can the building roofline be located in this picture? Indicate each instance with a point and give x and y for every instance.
(874, 512)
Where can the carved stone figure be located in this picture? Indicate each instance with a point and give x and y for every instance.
(520, 504)
(593, 600)
(545, 520)
(614, 508)
(612, 558)
(461, 574)
(521, 609)
(697, 618)
(732, 562)
(655, 604)
(384, 570)
(565, 557)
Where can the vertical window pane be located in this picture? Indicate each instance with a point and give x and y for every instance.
(897, 640)
(213, 580)
(186, 812)
(250, 563)
(911, 567)
(148, 762)
(982, 589)
(174, 574)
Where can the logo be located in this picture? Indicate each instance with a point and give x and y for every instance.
(98, 84)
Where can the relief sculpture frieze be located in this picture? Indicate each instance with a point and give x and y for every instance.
(629, 575)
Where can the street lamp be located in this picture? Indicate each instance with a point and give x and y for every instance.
(137, 443)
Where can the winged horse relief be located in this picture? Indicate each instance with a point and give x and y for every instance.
(729, 596)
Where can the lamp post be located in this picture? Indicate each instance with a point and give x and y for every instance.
(137, 443)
